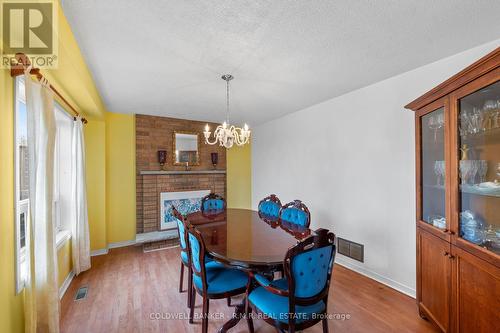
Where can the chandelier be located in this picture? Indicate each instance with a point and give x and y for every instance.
(226, 134)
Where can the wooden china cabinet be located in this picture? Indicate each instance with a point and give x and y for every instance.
(458, 199)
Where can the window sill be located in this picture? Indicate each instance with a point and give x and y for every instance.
(62, 237)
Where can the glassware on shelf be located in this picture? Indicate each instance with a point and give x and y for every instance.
(492, 237)
(439, 170)
(489, 108)
(465, 125)
(473, 171)
(466, 171)
(437, 220)
(477, 118)
(490, 105)
(471, 228)
(495, 116)
(482, 170)
(479, 143)
(486, 188)
(496, 243)
(489, 233)
(480, 119)
(433, 168)
(436, 122)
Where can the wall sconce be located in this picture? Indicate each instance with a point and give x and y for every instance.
(162, 158)
(215, 159)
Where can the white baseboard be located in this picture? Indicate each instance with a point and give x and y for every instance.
(121, 244)
(375, 276)
(66, 283)
(101, 252)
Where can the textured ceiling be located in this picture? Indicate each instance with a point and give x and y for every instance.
(166, 57)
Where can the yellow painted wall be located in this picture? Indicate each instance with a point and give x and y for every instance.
(120, 177)
(239, 177)
(11, 306)
(64, 262)
(73, 79)
(95, 154)
(72, 75)
(110, 153)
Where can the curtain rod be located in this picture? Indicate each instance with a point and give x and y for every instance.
(23, 63)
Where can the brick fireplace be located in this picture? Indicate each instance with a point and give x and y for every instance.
(150, 185)
(154, 134)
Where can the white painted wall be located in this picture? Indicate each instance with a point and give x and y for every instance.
(351, 160)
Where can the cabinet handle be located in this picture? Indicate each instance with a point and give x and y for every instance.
(446, 231)
(446, 254)
(451, 256)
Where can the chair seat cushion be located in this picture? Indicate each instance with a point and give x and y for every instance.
(277, 307)
(220, 279)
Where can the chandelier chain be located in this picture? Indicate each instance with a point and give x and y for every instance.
(227, 101)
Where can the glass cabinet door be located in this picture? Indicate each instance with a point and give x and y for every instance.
(433, 168)
(479, 167)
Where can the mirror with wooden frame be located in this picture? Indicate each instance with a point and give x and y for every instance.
(186, 148)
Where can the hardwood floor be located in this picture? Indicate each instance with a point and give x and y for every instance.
(127, 287)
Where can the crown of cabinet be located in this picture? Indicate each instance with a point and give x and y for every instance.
(481, 67)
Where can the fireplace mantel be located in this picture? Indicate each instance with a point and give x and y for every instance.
(193, 172)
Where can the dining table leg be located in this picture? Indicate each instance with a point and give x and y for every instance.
(239, 313)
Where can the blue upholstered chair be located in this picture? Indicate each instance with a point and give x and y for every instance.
(185, 260)
(296, 212)
(211, 280)
(299, 300)
(269, 207)
(185, 257)
(213, 202)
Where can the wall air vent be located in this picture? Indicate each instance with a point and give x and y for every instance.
(81, 293)
(351, 249)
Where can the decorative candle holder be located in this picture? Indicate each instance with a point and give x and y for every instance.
(215, 159)
(162, 158)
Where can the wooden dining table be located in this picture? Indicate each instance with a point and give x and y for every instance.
(247, 240)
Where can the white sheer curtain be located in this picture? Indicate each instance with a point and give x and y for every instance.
(41, 290)
(79, 216)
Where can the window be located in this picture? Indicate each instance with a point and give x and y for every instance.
(62, 170)
(62, 178)
(21, 181)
